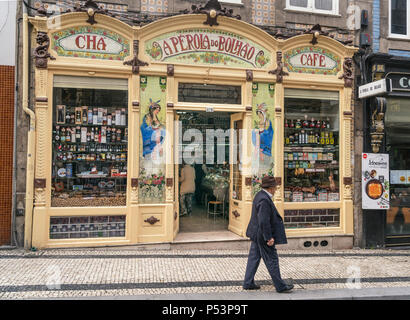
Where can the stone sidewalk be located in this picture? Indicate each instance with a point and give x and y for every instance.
(211, 274)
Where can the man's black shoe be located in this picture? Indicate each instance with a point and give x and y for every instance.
(252, 287)
(287, 289)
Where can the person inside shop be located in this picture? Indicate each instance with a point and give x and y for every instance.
(265, 230)
(187, 188)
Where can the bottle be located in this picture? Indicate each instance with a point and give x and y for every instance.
(92, 134)
(62, 136)
(327, 123)
(291, 124)
(68, 135)
(322, 137)
(90, 116)
(323, 126)
(298, 124)
(96, 135)
(108, 134)
(67, 118)
(119, 135)
(305, 123)
(286, 123)
(331, 139)
(126, 134)
(57, 134)
(78, 133)
(85, 115)
(73, 135)
(317, 124)
(312, 123)
(88, 136)
(327, 138)
(302, 137)
(296, 141)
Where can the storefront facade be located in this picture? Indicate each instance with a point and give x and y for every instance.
(389, 116)
(108, 98)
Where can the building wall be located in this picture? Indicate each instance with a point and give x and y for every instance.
(267, 14)
(7, 81)
(6, 151)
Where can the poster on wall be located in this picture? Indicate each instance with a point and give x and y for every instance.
(262, 132)
(152, 139)
(375, 181)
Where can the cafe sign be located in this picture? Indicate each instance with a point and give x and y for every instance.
(204, 46)
(90, 42)
(313, 60)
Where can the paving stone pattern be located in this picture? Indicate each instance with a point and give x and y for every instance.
(63, 273)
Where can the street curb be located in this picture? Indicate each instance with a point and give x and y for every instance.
(391, 293)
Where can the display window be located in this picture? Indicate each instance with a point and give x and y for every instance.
(311, 146)
(90, 142)
(397, 145)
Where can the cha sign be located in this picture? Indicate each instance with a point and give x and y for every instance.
(375, 181)
(206, 46)
(90, 42)
(312, 60)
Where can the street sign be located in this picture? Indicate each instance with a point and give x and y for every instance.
(374, 88)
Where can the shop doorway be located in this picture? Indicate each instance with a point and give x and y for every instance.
(203, 171)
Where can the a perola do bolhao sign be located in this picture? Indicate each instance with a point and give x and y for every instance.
(207, 47)
(90, 42)
(312, 60)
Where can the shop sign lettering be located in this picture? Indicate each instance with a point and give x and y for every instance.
(312, 60)
(209, 47)
(399, 81)
(90, 42)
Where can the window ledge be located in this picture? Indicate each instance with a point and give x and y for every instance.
(313, 12)
(391, 37)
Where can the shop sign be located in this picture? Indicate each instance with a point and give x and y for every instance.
(206, 46)
(90, 42)
(375, 181)
(399, 81)
(374, 88)
(312, 60)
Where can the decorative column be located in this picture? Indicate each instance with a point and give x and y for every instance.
(278, 146)
(40, 57)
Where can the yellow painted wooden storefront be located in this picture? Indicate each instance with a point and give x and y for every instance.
(172, 51)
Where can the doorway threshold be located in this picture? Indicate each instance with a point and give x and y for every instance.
(210, 240)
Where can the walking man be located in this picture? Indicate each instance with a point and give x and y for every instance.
(265, 230)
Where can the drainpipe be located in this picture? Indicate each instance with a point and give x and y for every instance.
(28, 223)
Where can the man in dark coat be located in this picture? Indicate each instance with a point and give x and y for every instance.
(265, 230)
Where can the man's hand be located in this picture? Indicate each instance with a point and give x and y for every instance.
(271, 242)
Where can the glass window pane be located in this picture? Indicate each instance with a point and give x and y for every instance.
(399, 17)
(323, 4)
(299, 3)
(397, 142)
(89, 159)
(311, 153)
(209, 93)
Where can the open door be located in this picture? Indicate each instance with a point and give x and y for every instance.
(237, 216)
(177, 161)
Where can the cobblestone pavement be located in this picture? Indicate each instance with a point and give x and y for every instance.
(64, 273)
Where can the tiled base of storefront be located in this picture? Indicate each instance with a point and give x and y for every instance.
(226, 240)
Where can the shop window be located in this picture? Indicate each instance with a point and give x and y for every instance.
(311, 150)
(263, 109)
(209, 93)
(152, 135)
(397, 144)
(314, 6)
(90, 133)
(237, 174)
(399, 15)
(87, 227)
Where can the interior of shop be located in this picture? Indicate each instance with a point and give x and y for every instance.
(204, 171)
(397, 145)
